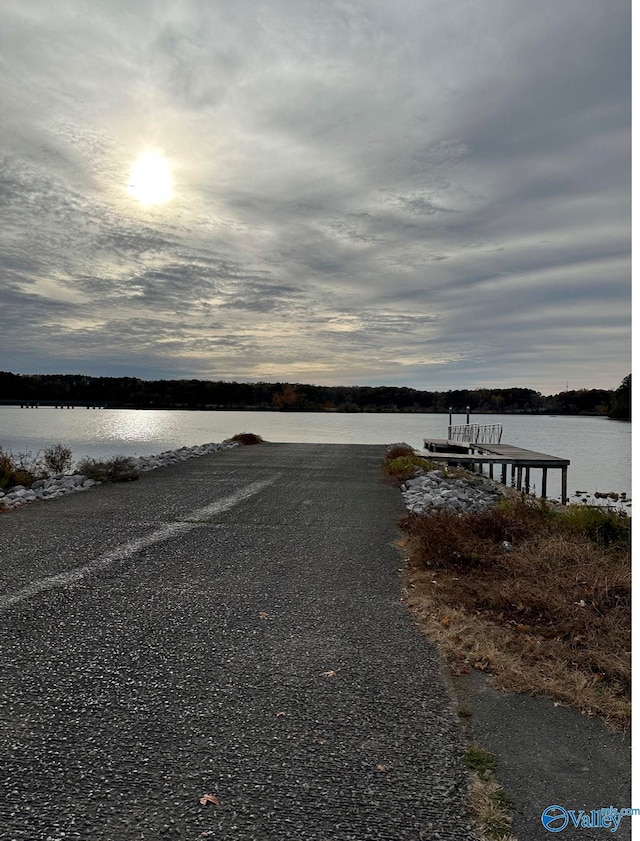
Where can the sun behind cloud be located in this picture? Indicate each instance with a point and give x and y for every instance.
(150, 179)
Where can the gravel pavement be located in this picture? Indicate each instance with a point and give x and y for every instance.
(232, 627)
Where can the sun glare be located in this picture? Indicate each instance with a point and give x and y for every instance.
(150, 180)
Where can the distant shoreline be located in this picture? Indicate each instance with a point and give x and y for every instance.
(382, 411)
(67, 390)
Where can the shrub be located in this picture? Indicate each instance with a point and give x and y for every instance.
(7, 470)
(442, 538)
(58, 458)
(446, 538)
(600, 525)
(247, 438)
(398, 450)
(22, 469)
(401, 463)
(116, 469)
(404, 463)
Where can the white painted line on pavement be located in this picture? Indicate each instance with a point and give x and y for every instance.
(132, 547)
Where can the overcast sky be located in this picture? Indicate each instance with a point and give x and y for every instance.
(433, 193)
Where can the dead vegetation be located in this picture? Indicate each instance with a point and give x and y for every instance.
(539, 597)
(247, 438)
(489, 803)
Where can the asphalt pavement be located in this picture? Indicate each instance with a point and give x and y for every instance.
(551, 755)
(219, 650)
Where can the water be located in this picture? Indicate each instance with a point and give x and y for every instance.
(599, 448)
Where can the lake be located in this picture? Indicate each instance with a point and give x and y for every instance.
(599, 448)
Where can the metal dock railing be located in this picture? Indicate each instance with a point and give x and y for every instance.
(476, 433)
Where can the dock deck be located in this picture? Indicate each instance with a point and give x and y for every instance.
(520, 459)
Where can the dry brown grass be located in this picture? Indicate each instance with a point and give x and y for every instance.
(490, 806)
(491, 813)
(548, 614)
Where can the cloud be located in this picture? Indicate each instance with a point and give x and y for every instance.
(376, 192)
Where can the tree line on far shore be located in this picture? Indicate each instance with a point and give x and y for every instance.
(133, 393)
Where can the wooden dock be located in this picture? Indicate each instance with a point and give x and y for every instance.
(473, 455)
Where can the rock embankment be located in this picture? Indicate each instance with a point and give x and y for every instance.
(434, 490)
(144, 463)
(56, 486)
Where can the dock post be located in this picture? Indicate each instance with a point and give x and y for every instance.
(544, 482)
(519, 479)
(564, 485)
(504, 474)
(491, 470)
(527, 479)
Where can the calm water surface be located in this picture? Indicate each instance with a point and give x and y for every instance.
(599, 448)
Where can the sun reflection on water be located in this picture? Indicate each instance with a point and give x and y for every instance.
(130, 426)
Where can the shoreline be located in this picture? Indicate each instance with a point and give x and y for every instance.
(63, 484)
(123, 407)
